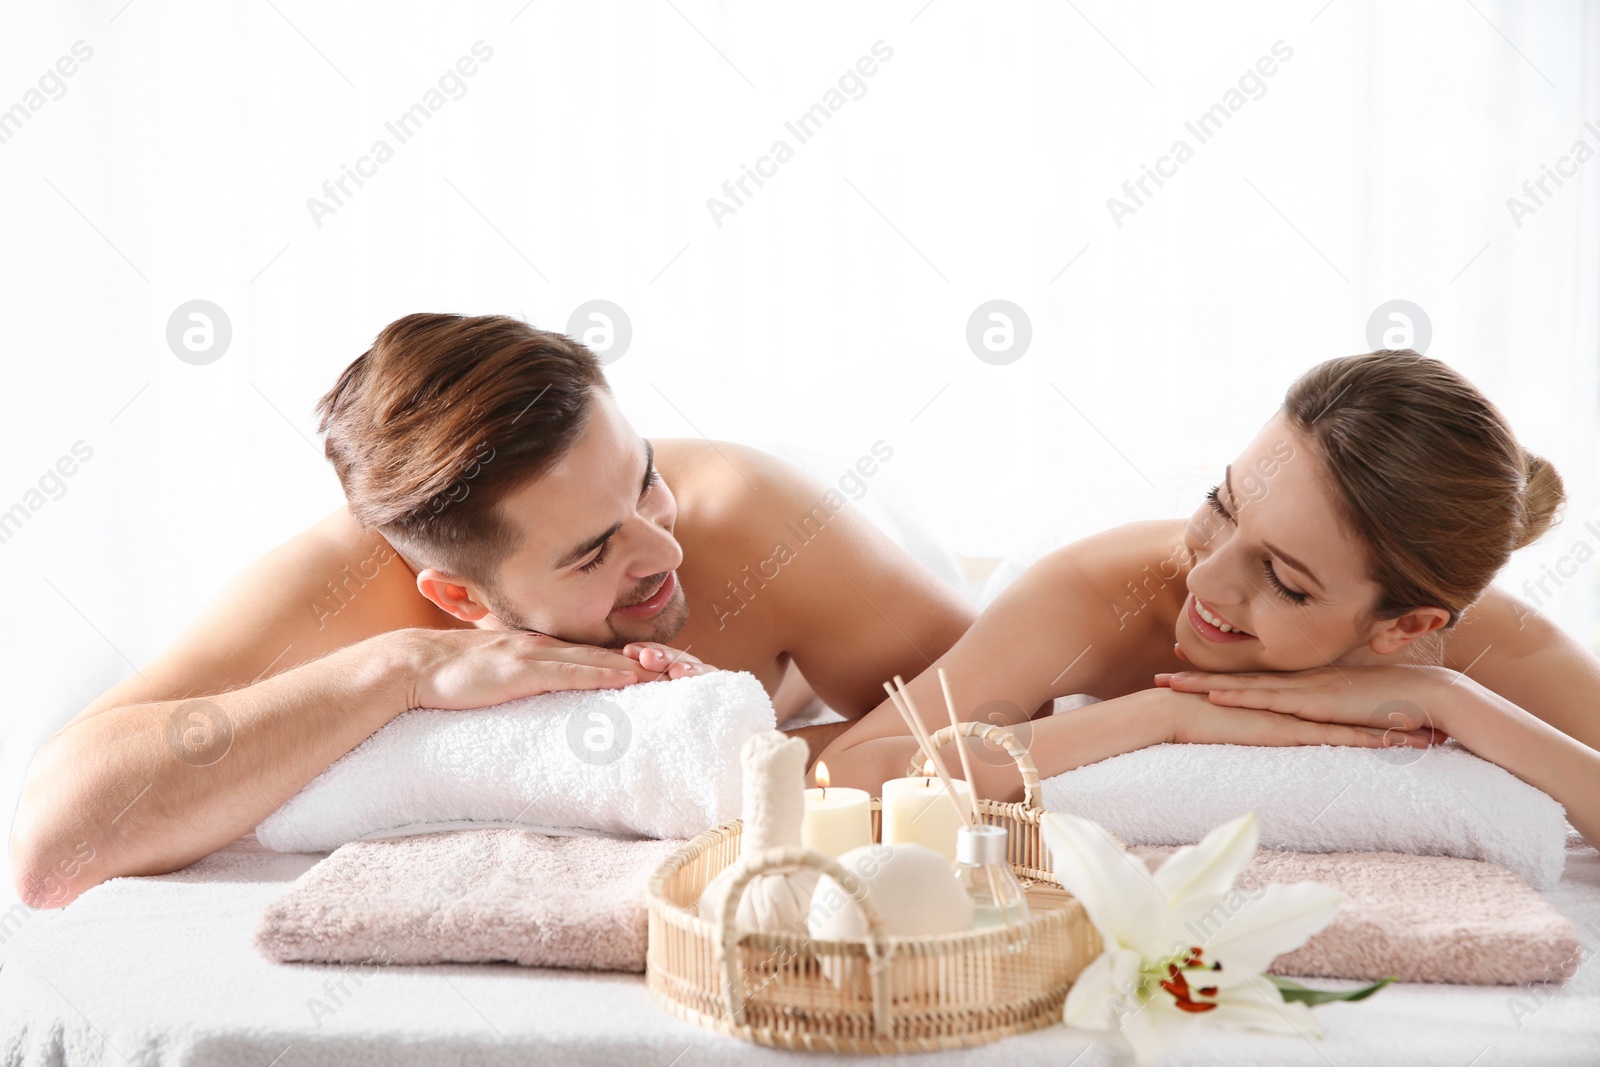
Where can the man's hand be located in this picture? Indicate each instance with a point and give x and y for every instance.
(465, 669)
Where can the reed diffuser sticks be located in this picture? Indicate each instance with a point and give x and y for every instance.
(966, 768)
(908, 712)
(966, 760)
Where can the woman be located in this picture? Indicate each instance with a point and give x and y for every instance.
(1332, 589)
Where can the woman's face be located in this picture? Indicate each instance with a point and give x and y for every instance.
(1275, 564)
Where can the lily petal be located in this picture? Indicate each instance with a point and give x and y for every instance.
(1122, 901)
(1154, 1028)
(1093, 1000)
(1257, 1005)
(1279, 921)
(1212, 866)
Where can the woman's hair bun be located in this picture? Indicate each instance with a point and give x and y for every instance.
(1542, 497)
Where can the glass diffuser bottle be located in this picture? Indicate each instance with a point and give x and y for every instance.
(982, 870)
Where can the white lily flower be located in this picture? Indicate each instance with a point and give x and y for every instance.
(1183, 943)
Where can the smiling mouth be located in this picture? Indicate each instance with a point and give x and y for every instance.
(655, 601)
(1212, 626)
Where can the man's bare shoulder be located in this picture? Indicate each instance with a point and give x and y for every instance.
(703, 463)
(730, 493)
(777, 561)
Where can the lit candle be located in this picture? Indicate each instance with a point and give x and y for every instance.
(836, 820)
(917, 811)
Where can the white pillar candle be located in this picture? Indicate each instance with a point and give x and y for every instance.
(837, 819)
(917, 811)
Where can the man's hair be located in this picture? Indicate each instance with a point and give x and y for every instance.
(443, 417)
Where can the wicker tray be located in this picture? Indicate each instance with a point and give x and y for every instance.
(885, 994)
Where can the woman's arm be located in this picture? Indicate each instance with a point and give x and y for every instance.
(1037, 640)
(1536, 703)
(1515, 689)
(1060, 743)
(1490, 724)
(1061, 628)
(1511, 649)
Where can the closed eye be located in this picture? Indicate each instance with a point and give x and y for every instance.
(651, 480)
(599, 558)
(1216, 503)
(1294, 596)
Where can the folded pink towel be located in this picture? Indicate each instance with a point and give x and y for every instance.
(1419, 918)
(470, 896)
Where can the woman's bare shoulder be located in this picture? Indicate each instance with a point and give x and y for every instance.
(1114, 594)
(1128, 553)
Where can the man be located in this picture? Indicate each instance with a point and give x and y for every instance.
(507, 533)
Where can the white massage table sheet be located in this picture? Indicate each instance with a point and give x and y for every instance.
(161, 971)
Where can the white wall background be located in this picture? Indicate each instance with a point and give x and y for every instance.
(829, 310)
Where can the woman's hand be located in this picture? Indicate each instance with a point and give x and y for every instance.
(1399, 703)
(663, 661)
(1191, 718)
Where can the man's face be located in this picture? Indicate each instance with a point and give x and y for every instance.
(597, 563)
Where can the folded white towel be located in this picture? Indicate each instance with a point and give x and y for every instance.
(1441, 801)
(656, 759)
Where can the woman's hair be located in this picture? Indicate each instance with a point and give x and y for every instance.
(1427, 472)
(444, 416)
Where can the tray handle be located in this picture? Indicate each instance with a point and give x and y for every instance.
(775, 859)
(1000, 736)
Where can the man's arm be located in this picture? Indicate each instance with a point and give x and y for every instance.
(259, 696)
(150, 787)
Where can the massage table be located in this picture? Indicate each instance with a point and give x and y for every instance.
(161, 971)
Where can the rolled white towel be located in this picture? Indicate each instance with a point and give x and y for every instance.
(1440, 801)
(656, 759)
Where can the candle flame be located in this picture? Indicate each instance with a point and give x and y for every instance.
(822, 774)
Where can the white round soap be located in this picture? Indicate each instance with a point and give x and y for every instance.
(915, 889)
